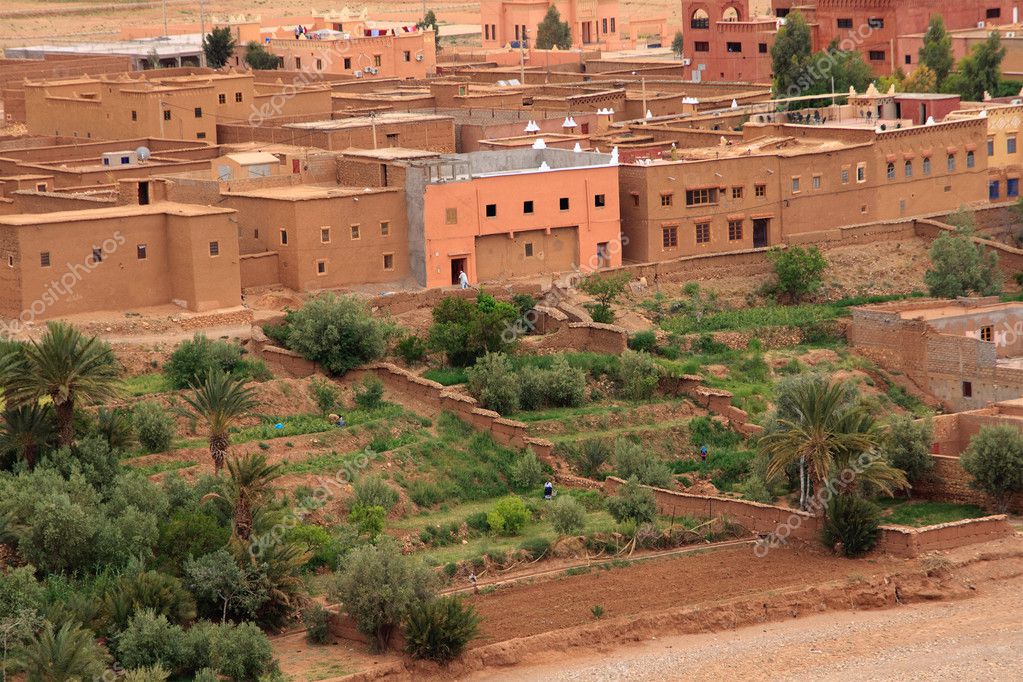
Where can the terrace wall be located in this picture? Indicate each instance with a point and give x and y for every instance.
(586, 336)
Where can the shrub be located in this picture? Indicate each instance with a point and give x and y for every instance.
(192, 360)
(632, 459)
(371, 490)
(411, 349)
(706, 431)
(241, 652)
(368, 519)
(536, 547)
(853, 522)
(338, 332)
(154, 426)
(465, 330)
(477, 521)
(960, 268)
(424, 493)
(155, 673)
(370, 394)
(994, 459)
(325, 393)
(527, 472)
(69, 652)
(600, 313)
(638, 375)
(440, 629)
(633, 503)
(317, 622)
(150, 639)
(755, 489)
(567, 516)
(523, 303)
(605, 288)
(156, 593)
(565, 385)
(190, 534)
(645, 341)
(798, 271)
(508, 516)
(324, 548)
(492, 382)
(591, 456)
(907, 446)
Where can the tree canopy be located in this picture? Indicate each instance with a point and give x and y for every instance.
(553, 32)
(936, 52)
(218, 45)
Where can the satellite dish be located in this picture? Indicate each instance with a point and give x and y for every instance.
(143, 153)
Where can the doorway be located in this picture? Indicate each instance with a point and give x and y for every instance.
(458, 265)
(603, 259)
(143, 193)
(760, 226)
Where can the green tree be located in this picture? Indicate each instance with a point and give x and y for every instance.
(465, 330)
(633, 503)
(154, 426)
(338, 332)
(508, 516)
(606, 288)
(492, 381)
(994, 459)
(61, 654)
(248, 489)
(27, 432)
(378, 587)
(259, 58)
(799, 271)
(218, 45)
(553, 32)
(429, 21)
(678, 44)
(960, 267)
(440, 629)
(217, 580)
(980, 71)
(69, 369)
(220, 401)
(568, 516)
(791, 57)
(936, 52)
(851, 523)
(923, 79)
(907, 445)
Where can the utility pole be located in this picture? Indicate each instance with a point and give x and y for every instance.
(522, 57)
(202, 32)
(165, 32)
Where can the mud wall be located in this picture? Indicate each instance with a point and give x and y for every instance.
(587, 336)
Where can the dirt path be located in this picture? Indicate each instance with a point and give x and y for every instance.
(973, 639)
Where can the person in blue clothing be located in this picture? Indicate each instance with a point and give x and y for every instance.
(548, 490)
(703, 454)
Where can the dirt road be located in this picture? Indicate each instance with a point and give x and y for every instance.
(972, 639)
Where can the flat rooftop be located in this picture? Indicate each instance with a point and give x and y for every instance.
(363, 121)
(170, 46)
(390, 153)
(308, 192)
(162, 207)
(952, 309)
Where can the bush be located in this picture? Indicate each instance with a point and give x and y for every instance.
(317, 622)
(338, 332)
(706, 431)
(527, 472)
(523, 303)
(536, 547)
(606, 288)
(591, 456)
(370, 394)
(638, 375)
(853, 522)
(156, 673)
(188, 535)
(411, 349)
(960, 268)
(565, 385)
(150, 639)
(477, 521)
(241, 652)
(643, 341)
(907, 446)
(755, 489)
(371, 490)
(567, 516)
(600, 313)
(156, 593)
(154, 426)
(440, 629)
(492, 382)
(465, 330)
(324, 548)
(633, 503)
(368, 519)
(192, 360)
(508, 516)
(325, 393)
(798, 271)
(632, 459)
(994, 459)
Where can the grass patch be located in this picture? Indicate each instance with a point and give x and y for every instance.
(726, 466)
(146, 384)
(447, 376)
(917, 513)
(163, 467)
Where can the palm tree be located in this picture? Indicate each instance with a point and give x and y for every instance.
(825, 437)
(70, 653)
(248, 489)
(220, 400)
(27, 430)
(67, 367)
(12, 358)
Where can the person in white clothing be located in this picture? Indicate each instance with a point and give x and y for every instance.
(463, 279)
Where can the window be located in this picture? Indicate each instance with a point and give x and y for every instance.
(861, 173)
(529, 249)
(348, 63)
(321, 267)
(760, 190)
(733, 47)
(951, 162)
(666, 199)
(134, 115)
(406, 56)
(200, 136)
(10, 260)
(563, 203)
(140, 252)
(875, 22)
(377, 60)
(319, 65)
(1012, 187)
(990, 146)
(908, 169)
(890, 171)
(355, 232)
(237, 97)
(701, 46)
(635, 198)
(486, 31)
(125, 160)
(737, 192)
(198, 112)
(166, 115)
(451, 216)
(971, 160)
(845, 23)
(214, 248)
(845, 176)
(385, 228)
(298, 62)
(1010, 144)
(669, 237)
(527, 206)
(927, 165)
(603, 25)
(909, 59)
(598, 200)
(388, 261)
(612, 24)
(994, 13)
(221, 98)
(255, 233)
(876, 55)
(734, 230)
(699, 197)
(816, 182)
(325, 235)
(795, 185)
(41, 187)
(762, 48)
(392, 141)
(284, 237)
(967, 389)
(986, 333)
(97, 255)
(44, 259)
(700, 20)
(702, 233)
(491, 210)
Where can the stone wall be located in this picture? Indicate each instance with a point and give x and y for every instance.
(586, 336)
(223, 318)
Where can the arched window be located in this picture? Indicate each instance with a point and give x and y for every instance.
(700, 19)
(730, 14)
(891, 170)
